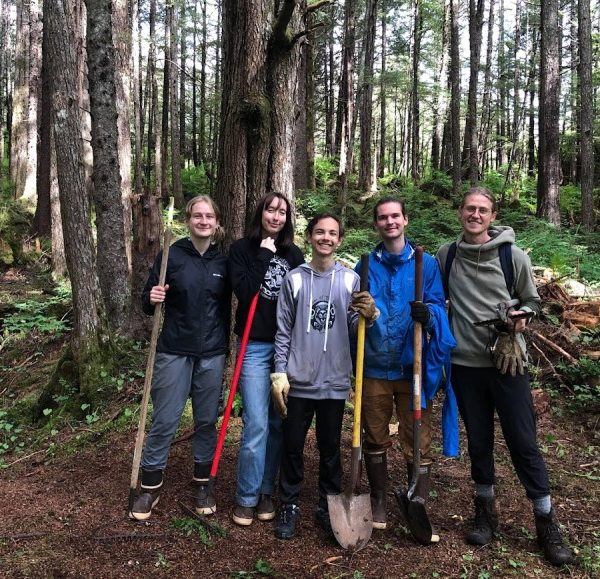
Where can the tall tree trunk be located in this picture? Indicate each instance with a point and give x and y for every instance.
(20, 100)
(440, 100)
(138, 115)
(329, 92)
(152, 106)
(365, 173)
(182, 74)
(111, 257)
(531, 132)
(75, 206)
(415, 110)
(548, 193)
(455, 97)
(195, 158)
(122, 33)
(174, 113)
(346, 90)
(382, 95)
(203, 88)
(486, 109)
(470, 155)
(163, 166)
(587, 115)
(3, 92)
(574, 171)
(501, 101)
(42, 219)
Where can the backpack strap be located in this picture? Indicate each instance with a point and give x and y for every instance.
(505, 254)
(448, 267)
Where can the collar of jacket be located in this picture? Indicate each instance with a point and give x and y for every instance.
(387, 258)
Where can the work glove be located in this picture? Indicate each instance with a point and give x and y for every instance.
(364, 304)
(508, 355)
(279, 392)
(419, 312)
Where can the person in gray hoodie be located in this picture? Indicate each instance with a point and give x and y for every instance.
(489, 366)
(313, 366)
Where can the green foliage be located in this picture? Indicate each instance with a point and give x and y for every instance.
(194, 181)
(589, 557)
(261, 568)
(583, 379)
(11, 432)
(46, 317)
(189, 527)
(310, 203)
(325, 172)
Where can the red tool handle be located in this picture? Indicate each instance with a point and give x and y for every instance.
(232, 389)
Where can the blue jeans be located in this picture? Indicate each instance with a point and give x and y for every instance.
(175, 379)
(260, 446)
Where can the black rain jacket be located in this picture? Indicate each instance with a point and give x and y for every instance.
(198, 302)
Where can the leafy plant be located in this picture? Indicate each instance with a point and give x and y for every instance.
(189, 526)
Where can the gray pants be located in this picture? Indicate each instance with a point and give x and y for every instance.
(175, 379)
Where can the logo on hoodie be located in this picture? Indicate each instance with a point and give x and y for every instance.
(271, 285)
(318, 314)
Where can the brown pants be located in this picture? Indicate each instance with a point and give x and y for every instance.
(379, 398)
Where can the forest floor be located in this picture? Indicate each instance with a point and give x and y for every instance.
(63, 500)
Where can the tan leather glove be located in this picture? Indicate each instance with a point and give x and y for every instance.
(279, 391)
(364, 304)
(508, 355)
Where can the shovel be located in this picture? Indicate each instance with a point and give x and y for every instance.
(350, 514)
(141, 431)
(413, 507)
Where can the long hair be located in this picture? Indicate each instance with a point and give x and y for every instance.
(285, 238)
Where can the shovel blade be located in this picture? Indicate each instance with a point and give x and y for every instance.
(351, 519)
(418, 521)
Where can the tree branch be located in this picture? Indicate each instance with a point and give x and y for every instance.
(283, 20)
(306, 32)
(314, 7)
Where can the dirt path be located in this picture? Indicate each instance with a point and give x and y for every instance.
(67, 519)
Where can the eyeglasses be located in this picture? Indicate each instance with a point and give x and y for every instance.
(483, 211)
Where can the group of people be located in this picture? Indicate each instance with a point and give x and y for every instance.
(298, 361)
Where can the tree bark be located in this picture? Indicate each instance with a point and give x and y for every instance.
(455, 97)
(113, 271)
(587, 115)
(486, 109)
(382, 95)
(75, 206)
(470, 155)
(548, 193)
(365, 173)
(174, 112)
(415, 110)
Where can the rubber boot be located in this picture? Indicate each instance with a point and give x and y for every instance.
(550, 541)
(486, 522)
(206, 503)
(376, 465)
(147, 499)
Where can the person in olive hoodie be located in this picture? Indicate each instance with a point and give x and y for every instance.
(257, 264)
(190, 354)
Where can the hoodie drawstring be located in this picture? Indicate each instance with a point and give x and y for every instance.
(328, 310)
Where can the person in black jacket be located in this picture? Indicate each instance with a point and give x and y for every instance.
(190, 354)
(257, 264)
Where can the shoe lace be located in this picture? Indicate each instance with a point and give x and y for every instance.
(552, 534)
(286, 513)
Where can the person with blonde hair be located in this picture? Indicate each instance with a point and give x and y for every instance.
(191, 352)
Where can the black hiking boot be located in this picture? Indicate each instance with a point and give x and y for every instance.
(486, 522)
(152, 482)
(324, 521)
(550, 541)
(206, 503)
(286, 523)
(376, 465)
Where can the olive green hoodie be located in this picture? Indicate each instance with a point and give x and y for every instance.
(476, 285)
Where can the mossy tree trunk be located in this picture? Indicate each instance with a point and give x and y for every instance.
(90, 345)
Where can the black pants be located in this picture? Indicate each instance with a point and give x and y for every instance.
(480, 391)
(329, 415)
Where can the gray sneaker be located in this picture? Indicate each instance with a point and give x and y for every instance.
(265, 510)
